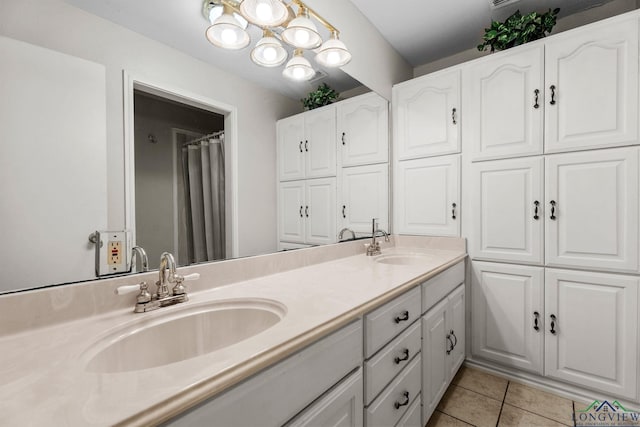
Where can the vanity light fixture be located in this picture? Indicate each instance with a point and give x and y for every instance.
(280, 21)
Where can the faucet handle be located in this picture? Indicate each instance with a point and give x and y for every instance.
(179, 289)
(143, 297)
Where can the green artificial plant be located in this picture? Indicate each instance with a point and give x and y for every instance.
(320, 97)
(518, 29)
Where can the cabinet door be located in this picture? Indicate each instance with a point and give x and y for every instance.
(591, 95)
(291, 212)
(426, 114)
(363, 130)
(341, 407)
(456, 330)
(503, 105)
(426, 195)
(504, 302)
(320, 211)
(594, 336)
(507, 205)
(291, 148)
(320, 142)
(435, 377)
(592, 209)
(365, 195)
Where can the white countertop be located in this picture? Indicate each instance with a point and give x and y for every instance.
(43, 380)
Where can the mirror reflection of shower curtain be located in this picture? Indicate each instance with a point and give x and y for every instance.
(203, 170)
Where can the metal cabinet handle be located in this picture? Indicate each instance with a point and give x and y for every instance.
(306, 211)
(343, 141)
(453, 210)
(344, 207)
(553, 324)
(301, 212)
(553, 210)
(403, 402)
(449, 350)
(306, 145)
(536, 93)
(553, 95)
(455, 343)
(405, 356)
(402, 317)
(536, 316)
(535, 209)
(300, 146)
(453, 116)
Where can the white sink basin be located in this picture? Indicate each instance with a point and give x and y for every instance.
(181, 335)
(404, 259)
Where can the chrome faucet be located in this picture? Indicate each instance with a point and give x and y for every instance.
(341, 234)
(163, 296)
(374, 246)
(142, 255)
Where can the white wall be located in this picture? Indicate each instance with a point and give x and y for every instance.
(57, 25)
(615, 7)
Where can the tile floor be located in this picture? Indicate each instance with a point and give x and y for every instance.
(479, 399)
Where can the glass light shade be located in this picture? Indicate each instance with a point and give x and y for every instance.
(302, 33)
(298, 68)
(216, 11)
(265, 13)
(226, 32)
(333, 53)
(268, 52)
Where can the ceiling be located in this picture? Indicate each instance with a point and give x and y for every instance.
(421, 31)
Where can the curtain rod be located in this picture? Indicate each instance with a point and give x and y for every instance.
(199, 140)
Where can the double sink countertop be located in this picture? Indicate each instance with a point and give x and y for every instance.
(48, 336)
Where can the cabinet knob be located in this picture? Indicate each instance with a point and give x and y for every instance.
(536, 93)
(404, 402)
(404, 316)
(448, 338)
(301, 212)
(553, 210)
(300, 146)
(403, 357)
(453, 210)
(536, 316)
(535, 210)
(553, 324)
(306, 145)
(343, 141)
(553, 95)
(453, 116)
(344, 208)
(306, 211)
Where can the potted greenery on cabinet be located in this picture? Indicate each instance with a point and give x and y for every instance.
(518, 29)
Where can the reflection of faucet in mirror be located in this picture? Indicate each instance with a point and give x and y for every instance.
(374, 247)
(142, 254)
(341, 234)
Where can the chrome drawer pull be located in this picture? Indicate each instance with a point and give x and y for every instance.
(405, 356)
(404, 402)
(402, 317)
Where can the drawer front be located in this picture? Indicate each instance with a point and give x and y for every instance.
(275, 395)
(387, 409)
(436, 288)
(388, 362)
(385, 322)
(411, 418)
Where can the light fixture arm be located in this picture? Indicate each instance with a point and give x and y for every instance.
(317, 16)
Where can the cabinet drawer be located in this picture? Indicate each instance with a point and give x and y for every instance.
(385, 322)
(385, 365)
(388, 408)
(411, 418)
(276, 394)
(436, 288)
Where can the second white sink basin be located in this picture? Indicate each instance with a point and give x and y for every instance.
(404, 259)
(182, 334)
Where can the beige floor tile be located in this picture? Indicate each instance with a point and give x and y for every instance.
(481, 382)
(470, 407)
(515, 417)
(539, 402)
(439, 419)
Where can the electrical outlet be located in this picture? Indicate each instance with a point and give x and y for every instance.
(115, 252)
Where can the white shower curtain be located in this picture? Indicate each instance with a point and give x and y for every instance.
(203, 169)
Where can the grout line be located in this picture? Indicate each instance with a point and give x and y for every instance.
(573, 412)
(502, 403)
(477, 392)
(456, 418)
(540, 415)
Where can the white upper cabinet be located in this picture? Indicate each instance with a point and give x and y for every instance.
(591, 94)
(591, 210)
(320, 211)
(363, 130)
(427, 196)
(307, 145)
(507, 201)
(426, 116)
(365, 195)
(591, 332)
(503, 99)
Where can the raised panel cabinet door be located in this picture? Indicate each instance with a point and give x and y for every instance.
(591, 330)
(507, 202)
(320, 211)
(456, 330)
(591, 212)
(365, 195)
(291, 212)
(363, 130)
(507, 314)
(427, 196)
(435, 377)
(591, 94)
(503, 104)
(426, 115)
(320, 142)
(291, 154)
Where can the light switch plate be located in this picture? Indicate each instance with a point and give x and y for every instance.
(113, 252)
